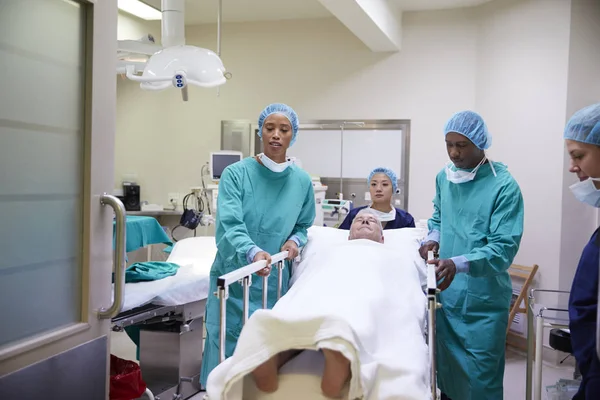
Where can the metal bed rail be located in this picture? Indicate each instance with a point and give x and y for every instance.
(535, 342)
(244, 277)
(432, 306)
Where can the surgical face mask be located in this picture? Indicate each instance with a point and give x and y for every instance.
(460, 176)
(385, 216)
(272, 165)
(586, 192)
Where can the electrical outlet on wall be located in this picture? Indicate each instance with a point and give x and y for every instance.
(173, 199)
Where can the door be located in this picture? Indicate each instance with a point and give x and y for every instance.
(57, 126)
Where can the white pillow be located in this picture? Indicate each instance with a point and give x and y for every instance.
(322, 237)
(405, 240)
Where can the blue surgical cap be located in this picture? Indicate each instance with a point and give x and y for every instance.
(285, 110)
(471, 125)
(584, 125)
(391, 174)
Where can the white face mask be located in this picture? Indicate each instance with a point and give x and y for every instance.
(385, 216)
(460, 176)
(586, 192)
(272, 165)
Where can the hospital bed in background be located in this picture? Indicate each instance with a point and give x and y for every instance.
(244, 277)
(170, 312)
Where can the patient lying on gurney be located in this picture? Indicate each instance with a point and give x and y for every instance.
(337, 367)
(358, 307)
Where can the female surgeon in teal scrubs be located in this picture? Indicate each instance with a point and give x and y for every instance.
(265, 205)
(582, 137)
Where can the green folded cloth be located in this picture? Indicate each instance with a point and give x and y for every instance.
(150, 271)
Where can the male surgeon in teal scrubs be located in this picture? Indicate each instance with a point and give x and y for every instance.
(265, 205)
(477, 225)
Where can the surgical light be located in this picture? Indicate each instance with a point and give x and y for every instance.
(174, 64)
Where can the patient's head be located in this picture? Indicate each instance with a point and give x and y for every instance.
(366, 225)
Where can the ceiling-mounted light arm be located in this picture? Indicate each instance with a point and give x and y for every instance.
(136, 66)
(219, 16)
(173, 23)
(137, 47)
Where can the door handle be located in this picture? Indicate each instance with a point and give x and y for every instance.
(118, 257)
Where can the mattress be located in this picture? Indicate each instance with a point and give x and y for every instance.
(191, 283)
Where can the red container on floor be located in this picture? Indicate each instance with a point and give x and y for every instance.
(126, 381)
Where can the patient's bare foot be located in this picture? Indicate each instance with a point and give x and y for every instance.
(265, 375)
(336, 373)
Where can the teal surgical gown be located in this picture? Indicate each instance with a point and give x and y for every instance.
(481, 220)
(256, 207)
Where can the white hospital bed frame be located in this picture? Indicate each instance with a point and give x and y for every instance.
(166, 376)
(535, 340)
(533, 379)
(171, 350)
(244, 277)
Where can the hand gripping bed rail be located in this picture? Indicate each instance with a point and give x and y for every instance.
(244, 276)
(432, 306)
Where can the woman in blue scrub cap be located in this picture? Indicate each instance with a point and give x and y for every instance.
(383, 183)
(265, 205)
(582, 137)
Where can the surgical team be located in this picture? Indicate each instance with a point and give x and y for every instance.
(266, 204)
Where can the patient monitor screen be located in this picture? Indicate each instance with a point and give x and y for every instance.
(220, 161)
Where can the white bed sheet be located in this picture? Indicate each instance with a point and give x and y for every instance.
(406, 240)
(191, 283)
(378, 331)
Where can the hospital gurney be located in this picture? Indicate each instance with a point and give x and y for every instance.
(244, 277)
(170, 313)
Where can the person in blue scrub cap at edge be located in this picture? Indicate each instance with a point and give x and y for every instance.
(477, 225)
(265, 205)
(383, 183)
(582, 137)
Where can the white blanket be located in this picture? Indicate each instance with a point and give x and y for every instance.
(360, 298)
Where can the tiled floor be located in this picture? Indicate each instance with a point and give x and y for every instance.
(514, 376)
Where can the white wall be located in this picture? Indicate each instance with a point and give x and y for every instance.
(522, 68)
(579, 220)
